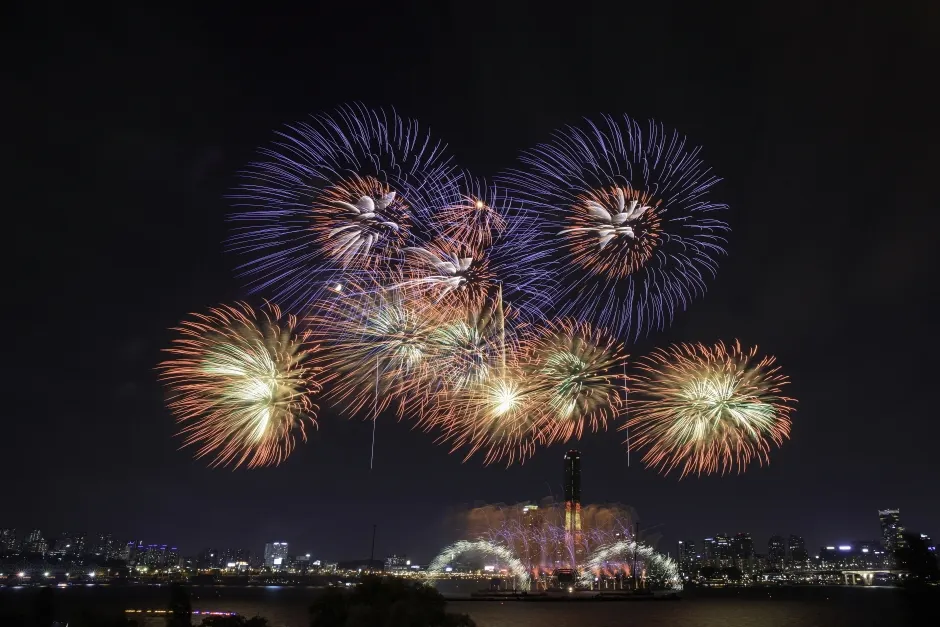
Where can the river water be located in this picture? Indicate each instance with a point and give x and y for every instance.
(767, 607)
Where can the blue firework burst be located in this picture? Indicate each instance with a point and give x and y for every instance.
(338, 195)
(628, 219)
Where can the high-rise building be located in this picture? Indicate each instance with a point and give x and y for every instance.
(742, 547)
(104, 546)
(572, 484)
(892, 531)
(797, 557)
(687, 557)
(34, 542)
(8, 540)
(776, 552)
(723, 552)
(209, 558)
(709, 552)
(70, 544)
(532, 524)
(232, 556)
(742, 552)
(275, 555)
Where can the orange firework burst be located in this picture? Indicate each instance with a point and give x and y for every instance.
(378, 343)
(360, 222)
(579, 373)
(240, 384)
(449, 272)
(708, 407)
(614, 231)
(470, 218)
(499, 416)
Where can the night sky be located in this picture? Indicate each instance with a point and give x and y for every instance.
(130, 126)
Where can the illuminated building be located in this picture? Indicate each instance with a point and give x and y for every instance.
(928, 542)
(233, 556)
(275, 555)
(892, 531)
(34, 542)
(8, 540)
(70, 544)
(742, 547)
(861, 554)
(709, 552)
(209, 558)
(532, 523)
(105, 546)
(688, 561)
(797, 556)
(572, 484)
(776, 552)
(742, 553)
(397, 564)
(723, 551)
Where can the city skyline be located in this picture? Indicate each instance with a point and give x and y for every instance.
(128, 158)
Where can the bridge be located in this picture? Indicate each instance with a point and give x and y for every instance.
(851, 577)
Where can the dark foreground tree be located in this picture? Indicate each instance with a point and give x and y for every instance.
(380, 602)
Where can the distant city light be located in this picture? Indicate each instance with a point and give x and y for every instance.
(845, 547)
(21, 574)
(864, 550)
(830, 548)
(448, 570)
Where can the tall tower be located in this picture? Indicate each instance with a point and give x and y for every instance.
(572, 491)
(892, 531)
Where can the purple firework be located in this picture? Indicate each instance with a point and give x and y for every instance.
(627, 219)
(333, 198)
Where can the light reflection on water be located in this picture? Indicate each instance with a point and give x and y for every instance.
(803, 607)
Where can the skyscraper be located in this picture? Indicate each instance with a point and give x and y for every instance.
(892, 530)
(687, 559)
(572, 485)
(776, 551)
(104, 546)
(796, 552)
(709, 552)
(34, 542)
(8, 540)
(723, 550)
(70, 544)
(275, 555)
(532, 523)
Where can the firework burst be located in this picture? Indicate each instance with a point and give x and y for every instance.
(708, 408)
(467, 345)
(378, 342)
(628, 221)
(579, 373)
(450, 273)
(499, 417)
(240, 383)
(472, 212)
(339, 195)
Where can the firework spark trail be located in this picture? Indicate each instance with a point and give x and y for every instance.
(240, 384)
(707, 408)
(335, 197)
(629, 221)
(365, 329)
